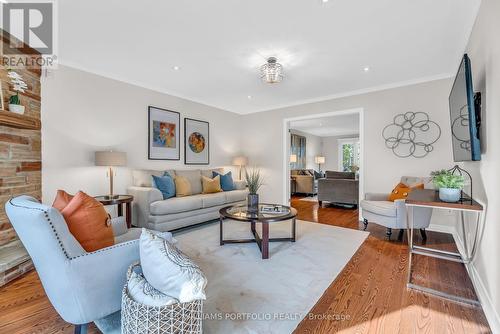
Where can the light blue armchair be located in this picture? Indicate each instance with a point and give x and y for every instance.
(83, 287)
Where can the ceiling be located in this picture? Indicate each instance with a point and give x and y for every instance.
(342, 125)
(219, 45)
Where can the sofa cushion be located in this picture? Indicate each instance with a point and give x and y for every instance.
(209, 172)
(194, 178)
(340, 175)
(176, 204)
(142, 177)
(210, 185)
(214, 199)
(236, 196)
(182, 187)
(165, 184)
(383, 208)
(226, 180)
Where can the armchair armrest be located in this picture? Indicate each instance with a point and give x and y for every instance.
(99, 277)
(143, 197)
(376, 197)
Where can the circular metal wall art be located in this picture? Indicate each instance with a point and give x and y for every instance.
(411, 134)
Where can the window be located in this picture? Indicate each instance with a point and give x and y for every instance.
(349, 151)
(298, 147)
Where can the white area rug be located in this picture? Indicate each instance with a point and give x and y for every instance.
(246, 294)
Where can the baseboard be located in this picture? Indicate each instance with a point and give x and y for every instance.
(482, 293)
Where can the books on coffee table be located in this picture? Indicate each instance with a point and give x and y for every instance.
(273, 209)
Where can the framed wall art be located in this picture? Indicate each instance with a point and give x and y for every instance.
(163, 134)
(196, 142)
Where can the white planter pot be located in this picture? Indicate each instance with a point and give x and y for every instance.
(16, 108)
(449, 194)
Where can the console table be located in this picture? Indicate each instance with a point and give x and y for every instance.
(430, 199)
(119, 201)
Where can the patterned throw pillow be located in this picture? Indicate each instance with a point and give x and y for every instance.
(169, 271)
(142, 292)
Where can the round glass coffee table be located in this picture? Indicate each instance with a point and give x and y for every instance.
(240, 212)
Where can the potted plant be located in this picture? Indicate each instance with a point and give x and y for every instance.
(18, 86)
(450, 185)
(254, 182)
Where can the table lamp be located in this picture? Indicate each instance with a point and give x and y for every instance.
(293, 158)
(319, 160)
(240, 161)
(110, 159)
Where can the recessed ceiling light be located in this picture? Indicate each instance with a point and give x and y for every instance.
(176, 68)
(366, 68)
(324, 1)
(249, 97)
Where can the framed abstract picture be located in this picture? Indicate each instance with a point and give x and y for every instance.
(196, 142)
(163, 134)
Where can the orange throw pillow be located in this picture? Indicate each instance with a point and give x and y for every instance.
(401, 191)
(87, 220)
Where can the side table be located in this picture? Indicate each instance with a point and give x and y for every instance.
(119, 201)
(430, 199)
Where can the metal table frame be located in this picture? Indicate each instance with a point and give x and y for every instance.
(440, 254)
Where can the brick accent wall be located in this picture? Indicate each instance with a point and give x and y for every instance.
(20, 157)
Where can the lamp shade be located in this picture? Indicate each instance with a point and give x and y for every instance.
(319, 159)
(110, 158)
(240, 161)
(293, 157)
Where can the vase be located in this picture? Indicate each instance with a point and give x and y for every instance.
(16, 108)
(449, 194)
(253, 203)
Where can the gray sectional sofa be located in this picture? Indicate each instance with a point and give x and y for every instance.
(150, 210)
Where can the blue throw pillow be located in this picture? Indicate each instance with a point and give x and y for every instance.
(226, 181)
(165, 184)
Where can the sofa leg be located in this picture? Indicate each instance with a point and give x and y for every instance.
(423, 234)
(320, 204)
(81, 329)
(388, 233)
(400, 234)
(365, 223)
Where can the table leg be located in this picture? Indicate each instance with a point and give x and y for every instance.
(409, 225)
(128, 214)
(120, 210)
(265, 240)
(252, 225)
(221, 240)
(293, 229)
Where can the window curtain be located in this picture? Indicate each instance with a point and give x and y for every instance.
(298, 147)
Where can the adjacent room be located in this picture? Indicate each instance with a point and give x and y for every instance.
(286, 166)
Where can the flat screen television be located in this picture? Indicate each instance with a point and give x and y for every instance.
(465, 113)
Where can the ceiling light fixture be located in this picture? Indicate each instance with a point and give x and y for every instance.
(249, 97)
(366, 68)
(176, 68)
(324, 1)
(272, 71)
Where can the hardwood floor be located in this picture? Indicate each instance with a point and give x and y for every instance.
(368, 296)
(371, 294)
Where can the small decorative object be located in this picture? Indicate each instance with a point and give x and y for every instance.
(18, 86)
(450, 185)
(163, 134)
(254, 182)
(196, 142)
(240, 161)
(411, 134)
(272, 71)
(110, 159)
(319, 160)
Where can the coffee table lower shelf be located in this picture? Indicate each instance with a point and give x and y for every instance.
(262, 242)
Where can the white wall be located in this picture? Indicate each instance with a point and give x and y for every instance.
(382, 168)
(83, 112)
(484, 52)
(313, 148)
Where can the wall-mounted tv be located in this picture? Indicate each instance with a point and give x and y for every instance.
(465, 113)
